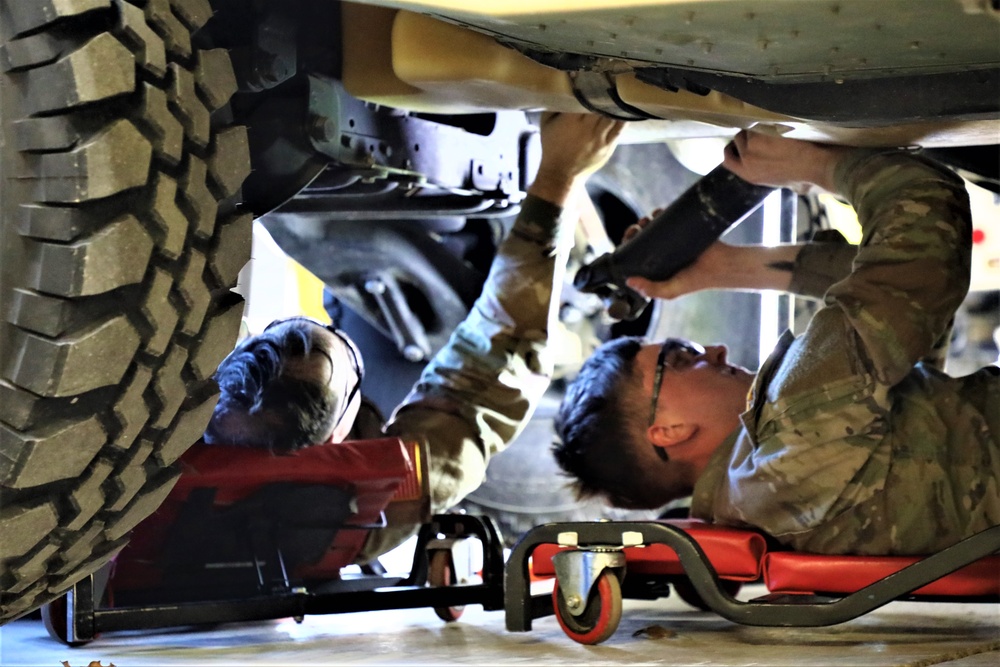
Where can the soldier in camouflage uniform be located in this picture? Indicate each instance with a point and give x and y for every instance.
(479, 390)
(851, 439)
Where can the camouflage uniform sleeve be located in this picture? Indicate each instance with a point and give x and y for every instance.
(480, 389)
(815, 443)
(912, 268)
(820, 264)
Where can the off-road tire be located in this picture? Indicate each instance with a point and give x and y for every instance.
(119, 241)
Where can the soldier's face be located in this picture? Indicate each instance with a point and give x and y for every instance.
(334, 361)
(697, 388)
(344, 378)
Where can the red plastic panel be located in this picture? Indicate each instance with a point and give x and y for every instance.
(238, 471)
(735, 554)
(790, 572)
(374, 469)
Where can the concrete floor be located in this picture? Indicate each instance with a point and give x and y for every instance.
(662, 632)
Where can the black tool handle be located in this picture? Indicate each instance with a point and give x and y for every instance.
(672, 240)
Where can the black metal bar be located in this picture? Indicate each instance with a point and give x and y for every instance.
(880, 101)
(195, 613)
(284, 606)
(403, 597)
(706, 582)
(336, 207)
(81, 620)
(376, 593)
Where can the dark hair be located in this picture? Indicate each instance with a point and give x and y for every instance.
(260, 405)
(601, 428)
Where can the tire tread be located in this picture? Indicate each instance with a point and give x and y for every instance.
(119, 305)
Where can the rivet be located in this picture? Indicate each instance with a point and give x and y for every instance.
(795, 33)
(658, 52)
(750, 16)
(835, 9)
(834, 49)
(689, 19)
(915, 45)
(762, 44)
(862, 61)
(613, 35)
(542, 27)
(707, 47)
(690, 61)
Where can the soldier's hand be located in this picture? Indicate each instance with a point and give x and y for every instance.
(640, 225)
(577, 144)
(709, 271)
(573, 147)
(786, 163)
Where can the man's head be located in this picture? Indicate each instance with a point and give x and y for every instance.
(636, 453)
(295, 384)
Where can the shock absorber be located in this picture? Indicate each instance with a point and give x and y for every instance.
(671, 241)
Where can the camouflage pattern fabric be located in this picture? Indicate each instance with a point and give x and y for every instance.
(478, 392)
(854, 441)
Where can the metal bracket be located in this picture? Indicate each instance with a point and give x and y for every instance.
(80, 604)
(419, 153)
(578, 570)
(466, 560)
(408, 333)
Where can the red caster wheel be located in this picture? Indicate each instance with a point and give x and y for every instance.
(600, 617)
(441, 573)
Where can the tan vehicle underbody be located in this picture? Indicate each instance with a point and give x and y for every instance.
(446, 56)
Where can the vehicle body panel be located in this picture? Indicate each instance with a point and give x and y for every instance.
(852, 71)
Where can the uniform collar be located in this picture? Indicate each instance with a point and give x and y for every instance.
(703, 495)
(758, 390)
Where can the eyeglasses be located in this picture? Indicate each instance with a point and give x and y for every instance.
(357, 360)
(674, 352)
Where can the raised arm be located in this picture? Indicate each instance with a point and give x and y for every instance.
(479, 390)
(911, 270)
(803, 269)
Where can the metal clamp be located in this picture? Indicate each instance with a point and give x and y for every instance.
(597, 92)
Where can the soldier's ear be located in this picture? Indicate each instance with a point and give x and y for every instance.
(670, 435)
